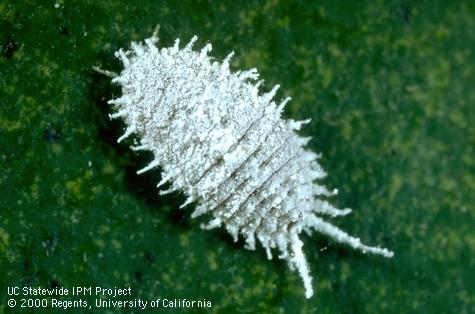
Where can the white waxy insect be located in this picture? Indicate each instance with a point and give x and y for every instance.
(223, 144)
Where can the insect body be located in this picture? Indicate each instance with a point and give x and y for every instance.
(225, 145)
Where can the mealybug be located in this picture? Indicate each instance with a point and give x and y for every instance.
(222, 143)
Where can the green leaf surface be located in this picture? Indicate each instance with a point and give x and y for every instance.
(389, 86)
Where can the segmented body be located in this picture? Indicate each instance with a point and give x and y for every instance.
(224, 145)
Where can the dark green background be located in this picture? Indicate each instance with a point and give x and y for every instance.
(389, 86)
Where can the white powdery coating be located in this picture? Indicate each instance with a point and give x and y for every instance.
(227, 148)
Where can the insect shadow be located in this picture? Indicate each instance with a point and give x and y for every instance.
(142, 186)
